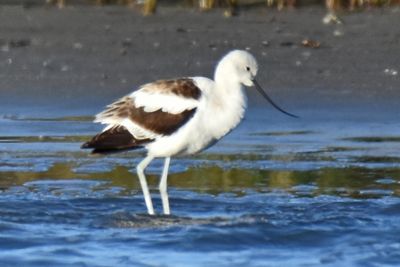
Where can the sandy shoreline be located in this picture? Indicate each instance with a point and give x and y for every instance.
(90, 55)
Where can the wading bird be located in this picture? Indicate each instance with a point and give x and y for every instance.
(178, 117)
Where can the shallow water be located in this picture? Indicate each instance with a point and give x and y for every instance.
(320, 191)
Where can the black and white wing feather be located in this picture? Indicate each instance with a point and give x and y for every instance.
(155, 110)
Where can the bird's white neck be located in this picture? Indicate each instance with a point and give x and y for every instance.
(225, 74)
(228, 104)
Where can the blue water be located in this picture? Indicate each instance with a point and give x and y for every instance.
(320, 191)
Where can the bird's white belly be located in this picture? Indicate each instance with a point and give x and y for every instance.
(202, 131)
(190, 139)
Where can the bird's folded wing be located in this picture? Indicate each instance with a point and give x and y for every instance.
(156, 109)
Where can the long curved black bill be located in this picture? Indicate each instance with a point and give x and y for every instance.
(264, 94)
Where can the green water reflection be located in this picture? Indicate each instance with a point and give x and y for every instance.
(348, 182)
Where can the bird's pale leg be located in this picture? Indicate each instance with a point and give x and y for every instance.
(163, 187)
(142, 178)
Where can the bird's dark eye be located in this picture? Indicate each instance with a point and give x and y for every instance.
(248, 68)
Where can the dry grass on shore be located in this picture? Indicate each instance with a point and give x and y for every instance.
(149, 6)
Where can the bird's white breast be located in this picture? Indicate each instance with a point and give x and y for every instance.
(218, 112)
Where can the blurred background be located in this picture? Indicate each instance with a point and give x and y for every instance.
(150, 6)
(93, 51)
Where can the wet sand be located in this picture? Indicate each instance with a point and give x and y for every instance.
(81, 58)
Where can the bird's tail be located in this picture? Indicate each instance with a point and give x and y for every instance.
(115, 139)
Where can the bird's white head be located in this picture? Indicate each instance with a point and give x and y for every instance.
(238, 66)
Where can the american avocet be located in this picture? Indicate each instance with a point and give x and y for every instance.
(178, 117)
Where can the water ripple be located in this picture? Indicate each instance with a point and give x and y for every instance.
(318, 194)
